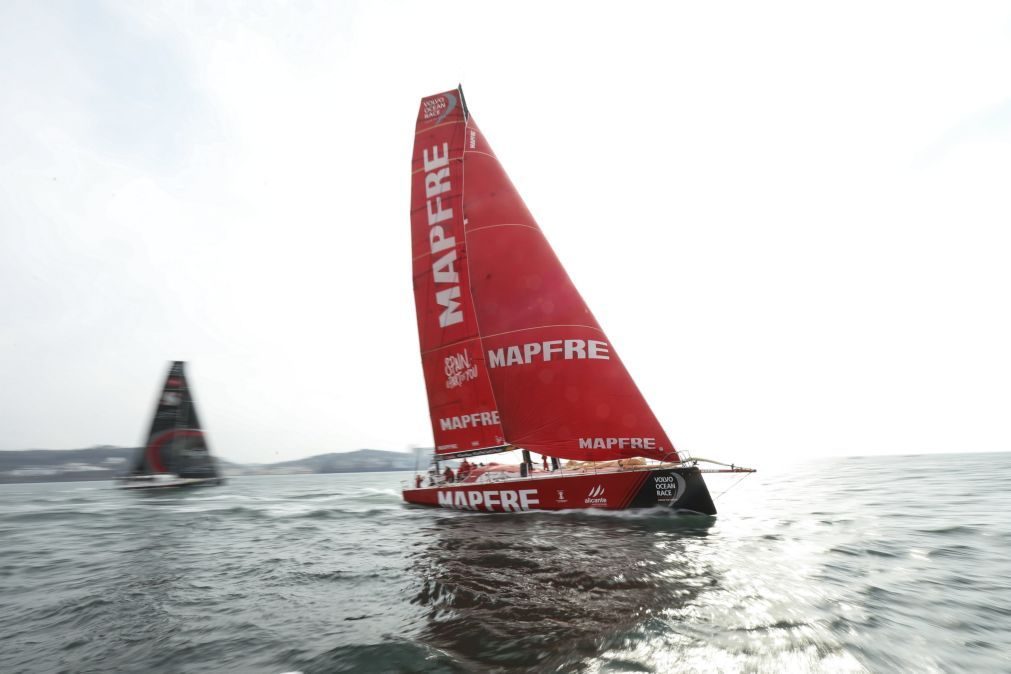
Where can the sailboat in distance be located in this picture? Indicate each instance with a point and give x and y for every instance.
(176, 453)
(512, 357)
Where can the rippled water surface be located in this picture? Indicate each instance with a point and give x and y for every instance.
(857, 564)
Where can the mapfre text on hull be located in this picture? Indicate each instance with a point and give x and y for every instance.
(681, 489)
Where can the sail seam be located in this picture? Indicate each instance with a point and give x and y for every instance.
(479, 152)
(451, 344)
(431, 128)
(538, 327)
(506, 224)
(422, 169)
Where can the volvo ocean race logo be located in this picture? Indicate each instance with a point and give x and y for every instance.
(459, 370)
(439, 107)
(596, 496)
(668, 488)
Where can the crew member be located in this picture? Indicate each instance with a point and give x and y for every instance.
(417, 481)
(448, 474)
(544, 460)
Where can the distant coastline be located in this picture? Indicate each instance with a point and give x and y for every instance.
(108, 462)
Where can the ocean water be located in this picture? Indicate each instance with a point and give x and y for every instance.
(854, 564)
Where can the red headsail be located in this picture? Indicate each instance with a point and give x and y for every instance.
(531, 342)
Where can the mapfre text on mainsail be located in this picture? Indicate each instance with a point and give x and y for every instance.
(443, 246)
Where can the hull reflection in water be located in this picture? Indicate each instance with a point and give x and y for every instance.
(501, 592)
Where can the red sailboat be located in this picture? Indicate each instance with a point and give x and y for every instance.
(512, 357)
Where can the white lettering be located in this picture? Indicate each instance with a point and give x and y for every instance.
(436, 161)
(438, 240)
(569, 349)
(474, 497)
(496, 358)
(598, 350)
(443, 271)
(526, 498)
(506, 500)
(469, 420)
(452, 314)
(510, 501)
(620, 443)
(438, 213)
(437, 183)
(575, 348)
(552, 346)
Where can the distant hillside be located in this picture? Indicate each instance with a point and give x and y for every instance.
(360, 460)
(107, 463)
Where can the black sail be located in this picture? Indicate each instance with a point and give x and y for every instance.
(176, 443)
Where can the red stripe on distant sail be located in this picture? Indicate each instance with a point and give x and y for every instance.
(154, 448)
(461, 402)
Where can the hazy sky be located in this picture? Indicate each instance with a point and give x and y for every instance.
(792, 220)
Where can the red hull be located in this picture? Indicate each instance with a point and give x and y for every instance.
(676, 488)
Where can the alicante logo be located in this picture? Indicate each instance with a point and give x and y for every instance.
(561, 496)
(596, 496)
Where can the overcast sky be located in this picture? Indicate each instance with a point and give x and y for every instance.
(792, 220)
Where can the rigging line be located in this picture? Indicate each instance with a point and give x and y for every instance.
(746, 476)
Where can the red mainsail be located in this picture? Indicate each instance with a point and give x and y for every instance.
(462, 405)
(540, 360)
